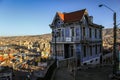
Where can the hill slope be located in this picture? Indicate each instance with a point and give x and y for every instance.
(108, 37)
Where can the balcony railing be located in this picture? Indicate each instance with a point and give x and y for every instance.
(88, 40)
(66, 39)
(75, 39)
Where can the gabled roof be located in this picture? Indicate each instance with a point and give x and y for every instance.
(61, 15)
(72, 16)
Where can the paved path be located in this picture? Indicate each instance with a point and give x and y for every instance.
(96, 73)
(63, 74)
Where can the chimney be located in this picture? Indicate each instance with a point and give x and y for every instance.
(91, 19)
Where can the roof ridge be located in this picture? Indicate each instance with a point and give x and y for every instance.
(75, 11)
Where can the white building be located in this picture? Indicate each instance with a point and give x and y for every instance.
(78, 37)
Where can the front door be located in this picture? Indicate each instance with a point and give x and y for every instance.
(71, 50)
(66, 50)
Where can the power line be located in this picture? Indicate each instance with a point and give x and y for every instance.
(118, 21)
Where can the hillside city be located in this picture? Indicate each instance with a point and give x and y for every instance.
(27, 44)
(108, 37)
(16, 51)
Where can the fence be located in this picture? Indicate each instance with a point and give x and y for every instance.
(49, 72)
(67, 62)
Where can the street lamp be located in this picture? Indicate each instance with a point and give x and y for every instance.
(114, 30)
(55, 35)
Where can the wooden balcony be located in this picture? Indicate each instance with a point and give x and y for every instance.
(90, 40)
(76, 39)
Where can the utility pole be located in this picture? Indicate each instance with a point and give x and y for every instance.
(55, 35)
(55, 49)
(114, 46)
(114, 36)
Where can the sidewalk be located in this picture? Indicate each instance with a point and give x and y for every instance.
(63, 74)
(95, 73)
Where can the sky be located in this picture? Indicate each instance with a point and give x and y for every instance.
(32, 17)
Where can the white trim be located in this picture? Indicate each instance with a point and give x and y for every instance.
(93, 59)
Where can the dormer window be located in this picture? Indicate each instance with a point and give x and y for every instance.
(57, 22)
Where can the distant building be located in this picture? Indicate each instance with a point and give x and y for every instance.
(78, 37)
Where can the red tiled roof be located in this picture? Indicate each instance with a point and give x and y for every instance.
(61, 15)
(73, 16)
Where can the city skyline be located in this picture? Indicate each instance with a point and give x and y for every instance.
(32, 17)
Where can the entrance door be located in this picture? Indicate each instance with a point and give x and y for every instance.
(78, 54)
(66, 50)
(71, 50)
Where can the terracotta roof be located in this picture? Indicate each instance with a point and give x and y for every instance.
(61, 15)
(72, 16)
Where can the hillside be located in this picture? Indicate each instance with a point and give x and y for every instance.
(108, 37)
(31, 43)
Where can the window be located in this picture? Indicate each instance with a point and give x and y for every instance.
(67, 33)
(72, 31)
(96, 49)
(83, 31)
(78, 49)
(84, 54)
(77, 32)
(90, 33)
(100, 33)
(62, 32)
(59, 50)
(100, 48)
(59, 32)
(90, 50)
(95, 33)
